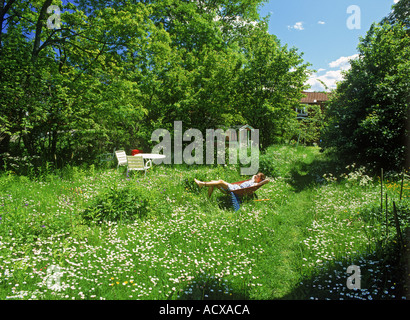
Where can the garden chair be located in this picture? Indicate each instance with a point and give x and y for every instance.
(121, 158)
(249, 191)
(137, 163)
(239, 194)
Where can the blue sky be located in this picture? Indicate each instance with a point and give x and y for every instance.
(319, 29)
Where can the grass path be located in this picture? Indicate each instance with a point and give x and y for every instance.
(288, 226)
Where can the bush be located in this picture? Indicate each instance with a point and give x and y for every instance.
(268, 164)
(118, 204)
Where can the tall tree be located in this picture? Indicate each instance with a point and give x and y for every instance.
(271, 84)
(54, 79)
(399, 14)
(370, 108)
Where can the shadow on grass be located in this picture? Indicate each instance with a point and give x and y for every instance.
(382, 277)
(225, 202)
(210, 287)
(306, 175)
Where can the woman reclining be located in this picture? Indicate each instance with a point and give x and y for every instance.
(256, 179)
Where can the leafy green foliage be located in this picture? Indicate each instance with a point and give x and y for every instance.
(306, 131)
(118, 204)
(399, 14)
(369, 110)
(272, 81)
(116, 71)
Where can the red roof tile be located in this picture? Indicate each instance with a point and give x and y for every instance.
(314, 97)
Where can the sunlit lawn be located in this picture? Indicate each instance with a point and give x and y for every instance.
(296, 244)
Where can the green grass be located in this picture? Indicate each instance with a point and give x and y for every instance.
(159, 237)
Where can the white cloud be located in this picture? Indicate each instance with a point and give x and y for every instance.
(297, 26)
(343, 62)
(330, 77)
(395, 1)
(321, 22)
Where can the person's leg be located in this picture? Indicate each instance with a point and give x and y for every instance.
(213, 183)
(210, 190)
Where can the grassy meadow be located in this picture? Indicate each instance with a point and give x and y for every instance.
(97, 233)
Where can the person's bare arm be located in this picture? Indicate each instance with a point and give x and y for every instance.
(262, 182)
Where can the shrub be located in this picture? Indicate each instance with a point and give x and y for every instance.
(118, 204)
(268, 164)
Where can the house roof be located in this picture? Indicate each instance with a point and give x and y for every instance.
(314, 97)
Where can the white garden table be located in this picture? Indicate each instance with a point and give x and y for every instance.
(151, 155)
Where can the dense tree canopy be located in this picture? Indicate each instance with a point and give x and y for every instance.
(87, 76)
(370, 109)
